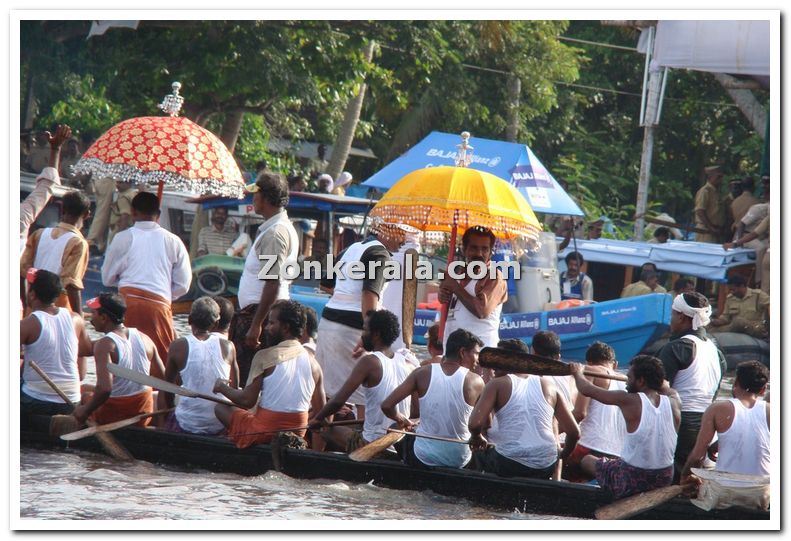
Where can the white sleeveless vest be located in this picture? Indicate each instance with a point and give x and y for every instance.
(444, 412)
(653, 444)
(394, 372)
(131, 355)
(603, 429)
(487, 329)
(524, 425)
(55, 351)
(204, 365)
(290, 386)
(49, 252)
(250, 286)
(697, 384)
(348, 291)
(744, 447)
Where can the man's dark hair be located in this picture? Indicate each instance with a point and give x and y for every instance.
(650, 369)
(204, 313)
(600, 353)
(681, 283)
(647, 274)
(748, 184)
(662, 232)
(458, 340)
(46, 286)
(226, 312)
(146, 203)
(293, 179)
(513, 344)
(752, 376)
(260, 165)
(291, 314)
(113, 306)
(648, 266)
(546, 343)
(478, 230)
(574, 255)
(76, 204)
(273, 187)
(385, 323)
(433, 338)
(311, 321)
(736, 280)
(696, 300)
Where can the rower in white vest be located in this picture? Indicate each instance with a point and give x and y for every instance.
(338, 344)
(475, 305)
(447, 392)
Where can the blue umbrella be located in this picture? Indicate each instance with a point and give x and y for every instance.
(513, 162)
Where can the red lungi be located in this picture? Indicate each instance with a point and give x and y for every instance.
(151, 315)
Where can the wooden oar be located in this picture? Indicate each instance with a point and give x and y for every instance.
(409, 298)
(161, 384)
(108, 442)
(639, 503)
(427, 436)
(527, 363)
(370, 450)
(350, 422)
(92, 430)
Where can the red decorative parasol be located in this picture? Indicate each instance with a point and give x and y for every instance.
(167, 150)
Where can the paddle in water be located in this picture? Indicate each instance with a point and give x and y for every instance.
(108, 442)
(638, 503)
(518, 362)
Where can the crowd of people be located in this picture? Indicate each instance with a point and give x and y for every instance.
(282, 371)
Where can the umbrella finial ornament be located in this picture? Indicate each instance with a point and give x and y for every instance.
(172, 103)
(464, 154)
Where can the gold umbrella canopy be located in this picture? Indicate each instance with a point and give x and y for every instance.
(447, 198)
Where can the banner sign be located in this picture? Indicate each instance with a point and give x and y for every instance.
(519, 325)
(570, 321)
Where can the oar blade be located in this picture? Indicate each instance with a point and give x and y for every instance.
(367, 452)
(91, 430)
(521, 363)
(639, 503)
(161, 384)
(409, 298)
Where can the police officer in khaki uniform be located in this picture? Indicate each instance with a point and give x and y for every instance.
(744, 312)
(709, 207)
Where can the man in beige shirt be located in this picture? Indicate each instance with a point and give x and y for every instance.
(121, 209)
(216, 238)
(709, 208)
(742, 204)
(744, 312)
(68, 258)
(648, 283)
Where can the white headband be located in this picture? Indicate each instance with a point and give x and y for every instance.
(700, 316)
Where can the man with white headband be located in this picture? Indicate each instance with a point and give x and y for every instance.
(693, 366)
(338, 344)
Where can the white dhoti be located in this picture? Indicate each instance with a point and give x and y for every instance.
(334, 346)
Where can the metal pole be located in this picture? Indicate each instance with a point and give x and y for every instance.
(645, 176)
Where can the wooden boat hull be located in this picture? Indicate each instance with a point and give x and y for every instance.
(518, 494)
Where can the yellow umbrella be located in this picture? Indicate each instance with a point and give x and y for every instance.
(444, 198)
(453, 199)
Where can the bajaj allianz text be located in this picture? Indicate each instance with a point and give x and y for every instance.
(391, 270)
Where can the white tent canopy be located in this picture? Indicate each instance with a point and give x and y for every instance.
(734, 47)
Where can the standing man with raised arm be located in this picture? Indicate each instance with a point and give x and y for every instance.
(276, 245)
(151, 268)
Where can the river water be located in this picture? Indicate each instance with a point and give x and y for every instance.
(75, 485)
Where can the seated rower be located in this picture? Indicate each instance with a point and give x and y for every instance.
(196, 361)
(652, 411)
(308, 338)
(547, 344)
(116, 399)
(378, 373)
(741, 425)
(602, 428)
(53, 337)
(288, 381)
(447, 392)
(523, 434)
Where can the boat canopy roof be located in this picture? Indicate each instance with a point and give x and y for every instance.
(298, 200)
(699, 259)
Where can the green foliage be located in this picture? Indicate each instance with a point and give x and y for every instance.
(84, 106)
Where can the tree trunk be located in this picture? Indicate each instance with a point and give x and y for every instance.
(230, 129)
(343, 143)
(30, 100)
(514, 92)
(745, 101)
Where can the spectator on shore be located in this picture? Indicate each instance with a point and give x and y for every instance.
(661, 235)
